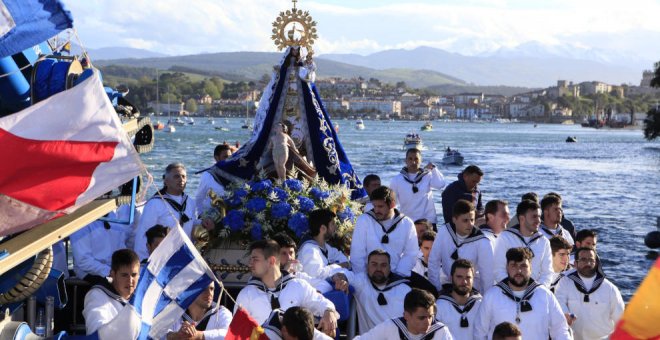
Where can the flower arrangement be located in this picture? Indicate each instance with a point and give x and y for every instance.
(259, 208)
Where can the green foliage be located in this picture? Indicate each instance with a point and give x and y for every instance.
(191, 105)
(652, 121)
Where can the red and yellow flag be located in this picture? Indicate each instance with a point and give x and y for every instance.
(244, 327)
(641, 320)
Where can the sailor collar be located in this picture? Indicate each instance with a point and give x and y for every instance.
(179, 208)
(552, 232)
(202, 323)
(274, 321)
(398, 217)
(418, 177)
(515, 230)
(522, 303)
(392, 281)
(404, 334)
(579, 284)
(110, 291)
(474, 236)
(274, 293)
(485, 228)
(309, 240)
(474, 297)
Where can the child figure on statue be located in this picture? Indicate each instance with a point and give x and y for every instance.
(281, 142)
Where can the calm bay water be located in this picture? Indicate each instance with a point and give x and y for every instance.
(609, 180)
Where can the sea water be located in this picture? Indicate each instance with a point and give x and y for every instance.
(609, 179)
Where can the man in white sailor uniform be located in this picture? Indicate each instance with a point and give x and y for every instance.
(461, 239)
(521, 300)
(425, 244)
(104, 301)
(417, 322)
(204, 319)
(526, 234)
(413, 187)
(370, 183)
(269, 288)
(561, 251)
(552, 213)
(320, 260)
(208, 181)
(176, 208)
(585, 293)
(297, 323)
(497, 217)
(379, 293)
(386, 228)
(459, 302)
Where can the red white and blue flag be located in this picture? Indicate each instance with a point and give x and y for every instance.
(60, 154)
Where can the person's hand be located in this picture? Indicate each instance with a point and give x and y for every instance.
(570, 318)
(341, 283)
(430, 166)
(208, 224)
(328, 323)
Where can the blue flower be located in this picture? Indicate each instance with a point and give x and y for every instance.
(281, 194)
(280, 210)
(261, 185)
(240, 193)
(235, 220)
(319, 194)
(293, 184)
(256, 204)
(346, 215)
(298, 223)
(306, 204)
(236, 198)
(256, 232)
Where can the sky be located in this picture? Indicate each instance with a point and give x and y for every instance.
(469, 27)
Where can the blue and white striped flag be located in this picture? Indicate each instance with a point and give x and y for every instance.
(174, 276)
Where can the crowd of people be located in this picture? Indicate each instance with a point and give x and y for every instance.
(482, 274)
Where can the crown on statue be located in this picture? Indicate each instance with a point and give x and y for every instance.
(294, 28)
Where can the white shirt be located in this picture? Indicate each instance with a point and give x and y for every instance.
(476, 247)
(545, 320)
(100, 308)
(90, 255)
(255, 298)
(420, 204)
(549, 233)
(597, 318)
(217, 326)
(402, 245)
(206, 183)
(448, 315)
(318, 266)
(158, 211)
(539, 245)
(421, 267)
(393, 328)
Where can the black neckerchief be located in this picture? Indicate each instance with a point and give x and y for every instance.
(274, 322)
(522, 304)
(425, 265)
(309, 240)
(474, 236)
(579, 284)
(515, 230)
(111, 292)
(418, 177)
(204, 321)
(392, 281)
(404, 334)
(485, 228)
(559, 230)
(554, 283)
(474, 297)
(274, 293)
(398, 217)
(179, 208)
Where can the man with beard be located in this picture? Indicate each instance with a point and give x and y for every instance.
(465, 188)
(521, 300)
(552, 214)
(459, 302)
(320, 260)
(497, 217)
(384, 228)
(414, 187)
(561, 251)
(417, 321)
(379, 292)
(204, 319)
(460, 239)
(526, 234)
(588, 299)
(175, 208)
(269, 288)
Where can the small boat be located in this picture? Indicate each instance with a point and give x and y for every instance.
(210, 121)
(571, 139)
(226, 121)
(221, 128)
(176, 121)
(359, 125)
(452, 157)
(412, 141)
(427, 126)
(159, 125)
(190, 121)
(170, 128)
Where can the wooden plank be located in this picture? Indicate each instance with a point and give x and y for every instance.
(31, 242)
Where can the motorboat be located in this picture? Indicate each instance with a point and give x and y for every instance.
(571, 139)
(452, 157)
(427, 126)
(359, 125)
(412, 141)
(221, 128)
(170, 128)
(210, 121)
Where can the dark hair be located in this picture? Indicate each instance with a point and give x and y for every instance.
(428, 235)
(558, 243)
(425, 222)
(549, 200)
(526, 205)
(418, 298)
(413, 150)
(319, 217)
(376, 252)
(220, 148)
(299, 322)
(284, 241)
(532, 196)
(370, 178)
(552, 193)
(462, 207)
(505, 330)
(123, 257)
(518, 254)
(584, 233)
(157, 231)
(383, 193)
(493, 206)
(461, 263)
(269, 248)
(581, 249)
(473, 170)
